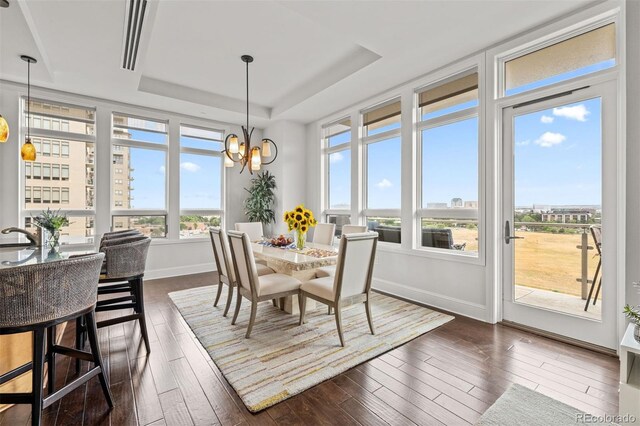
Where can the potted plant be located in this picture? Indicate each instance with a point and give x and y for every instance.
(51, 222)
(258, 207)
(633, 314)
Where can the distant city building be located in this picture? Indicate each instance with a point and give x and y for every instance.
(568, 215)
(470, 204)
(456, 202)
(437, 205)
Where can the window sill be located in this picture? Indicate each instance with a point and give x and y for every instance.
(168, 241)
(436, 255)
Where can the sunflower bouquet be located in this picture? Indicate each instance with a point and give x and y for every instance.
(300, 220)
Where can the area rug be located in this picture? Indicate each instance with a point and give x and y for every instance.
(282, 359)
(522, 406)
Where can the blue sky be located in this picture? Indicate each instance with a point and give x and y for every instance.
(199, 174)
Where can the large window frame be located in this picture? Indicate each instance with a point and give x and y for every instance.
(137, 144)
(331, 215)
(365, 142)
(65, 138)
(446, 214)
(208, 153)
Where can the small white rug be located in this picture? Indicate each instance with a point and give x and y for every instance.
(522, 406)
(282, 359)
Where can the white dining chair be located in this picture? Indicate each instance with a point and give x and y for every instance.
(252, 286)
(224, 265)
(353, 229)
(324, 233)
(352, 282)
(253, 229)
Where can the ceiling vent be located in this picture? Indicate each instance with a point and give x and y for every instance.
(134, 18)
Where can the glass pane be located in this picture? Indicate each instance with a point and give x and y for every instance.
(196, 226)
(388, 228)
(340, 180)
(584, 54)
(340, 138)
(191, 137)
(450, 165)
(139, 129)
(142, 176)
(383, 174)
(72, 176)
(339, 220)
(455, 95)
(338, 133)
(200, 182)
(450, 234)
(381, 119)
(558, 198)
(151, 226)
(51, 116)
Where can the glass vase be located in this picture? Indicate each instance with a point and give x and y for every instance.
(53, 239)
(300, 239)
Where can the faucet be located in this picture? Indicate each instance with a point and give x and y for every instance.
(34, 239)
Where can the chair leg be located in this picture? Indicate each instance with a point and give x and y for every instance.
(597, 291)
(367, 307)
(339, 324)
(215, 303)
(92, 333)
(139, 295)
(228, 304)
(328, 310)
(302, 305)
(79, 340)
(37, 376)
(275, 302)
(282, 302)
(252, 318)
(237, 311)
(593, 284)
(51, 359)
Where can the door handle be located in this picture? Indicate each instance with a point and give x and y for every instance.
(507, 234)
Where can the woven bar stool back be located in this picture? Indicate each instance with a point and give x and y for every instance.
(38, 297)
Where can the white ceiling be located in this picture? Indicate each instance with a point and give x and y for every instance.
(311, 57)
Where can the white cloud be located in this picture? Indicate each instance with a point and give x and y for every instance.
(577, 112)
(549, 139)
(162, 170)
(189, 166)
(523, 143)
(336, 157)
(384, 183)
(546, 119)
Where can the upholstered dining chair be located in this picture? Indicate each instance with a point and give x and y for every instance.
(324, 233)
(120, 234)
(36, 298)
(252, 286)
(122, 240)
(252, 229)
(224, 265)
(353, 229)
(352, 282)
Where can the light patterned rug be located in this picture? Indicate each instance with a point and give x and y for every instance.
(282, 359)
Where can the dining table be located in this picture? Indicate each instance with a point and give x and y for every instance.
(16, 349)
(299, 263)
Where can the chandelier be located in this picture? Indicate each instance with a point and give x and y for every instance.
(242, 152)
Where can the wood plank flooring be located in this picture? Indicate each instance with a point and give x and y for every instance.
(448, 376)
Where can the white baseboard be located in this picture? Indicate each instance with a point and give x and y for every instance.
(177, 271)
(451, 304)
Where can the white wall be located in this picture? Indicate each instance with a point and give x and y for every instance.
(167, 257)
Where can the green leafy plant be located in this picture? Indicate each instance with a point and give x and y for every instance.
(632, 313)
(258, 207)
(52, 221)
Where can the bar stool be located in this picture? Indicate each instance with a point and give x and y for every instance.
(36, 298)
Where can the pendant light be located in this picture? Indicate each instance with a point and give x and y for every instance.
(4, 130)
(242, 152)
(28, 151)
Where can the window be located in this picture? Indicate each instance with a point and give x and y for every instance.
(337, 151)
(27, 170)
(382, 168)
(27, 194)
(201, 180)
(139, 149)
(340, 220)
(154, 226)
(63, 152)
(583, 54)
(448, 162)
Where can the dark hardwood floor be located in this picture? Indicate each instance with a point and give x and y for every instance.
(448, 376)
